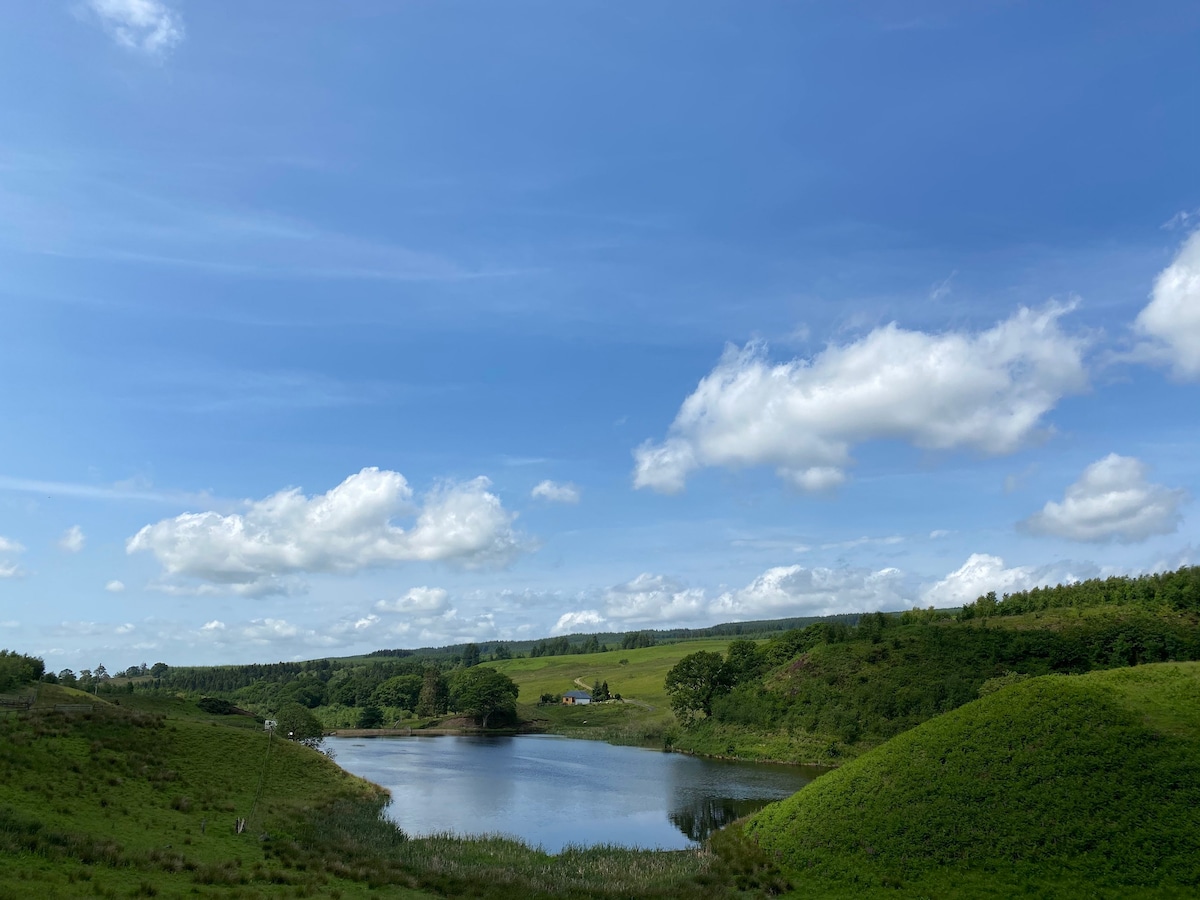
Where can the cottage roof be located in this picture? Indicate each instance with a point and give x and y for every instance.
(579, 695)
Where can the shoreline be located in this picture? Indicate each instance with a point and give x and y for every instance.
(532, 728)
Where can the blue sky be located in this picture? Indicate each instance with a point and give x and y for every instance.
(405, 324)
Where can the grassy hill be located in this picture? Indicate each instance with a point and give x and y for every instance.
(141, 799)
(1060, 786)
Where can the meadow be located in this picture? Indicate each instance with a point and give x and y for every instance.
(143, 800)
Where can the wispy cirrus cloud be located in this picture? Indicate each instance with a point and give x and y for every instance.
(150, 27)
(134, 489)
(8, 549)
(555, 492)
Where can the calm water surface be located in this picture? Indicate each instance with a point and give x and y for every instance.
(553, 791)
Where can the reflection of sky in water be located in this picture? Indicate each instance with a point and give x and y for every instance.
(552, 791)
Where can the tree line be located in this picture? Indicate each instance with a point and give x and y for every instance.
(1178, 590)
(888, 673)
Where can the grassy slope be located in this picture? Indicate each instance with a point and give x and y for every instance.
(140, 800)
(640, 680)
(1062, 786)
(117, 800)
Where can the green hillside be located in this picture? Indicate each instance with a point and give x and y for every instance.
(1060, 786)
(141, 800)
(829, 692)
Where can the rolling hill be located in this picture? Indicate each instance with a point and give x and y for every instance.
(1063, 786)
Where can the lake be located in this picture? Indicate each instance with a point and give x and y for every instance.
(551, 791)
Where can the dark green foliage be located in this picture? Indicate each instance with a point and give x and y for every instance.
(17, 669)
(370, 717)
(636, 640)
(470, 655)
(403, 691)
(694, 682)
(435, 694)
(1091, 780)
(1179, 591)
(860, 686)
(297, 723)
(216, 706)
(484, 694)
(307, 690)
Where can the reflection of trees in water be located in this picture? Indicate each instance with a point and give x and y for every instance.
(698, 817)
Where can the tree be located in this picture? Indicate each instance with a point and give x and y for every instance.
(432, 700)
(403, 691)
(742, 661)
(483, 693)
(159, 669)
(694, 681)
(470, 655)
(306, 690)
(67, 678)
(297, 723)
(370, 717)
(18, 669)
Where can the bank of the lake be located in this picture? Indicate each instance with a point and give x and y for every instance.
(552, 792)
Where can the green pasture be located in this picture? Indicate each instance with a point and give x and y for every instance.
(639, 677)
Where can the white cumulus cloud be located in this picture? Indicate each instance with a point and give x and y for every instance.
(148, 26)
(985, 391)
(555, 492)
(344, 530)
(1172, 317)
(982, 573)
(72, 540)
(799, 591)
(115, 587)
(653, 598)
(581, 620)
(417, 600)
(1111, 501)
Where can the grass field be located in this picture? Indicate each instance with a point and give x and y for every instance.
(141, 800)
(639, 677)
(1060, 786)
(644, 716)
